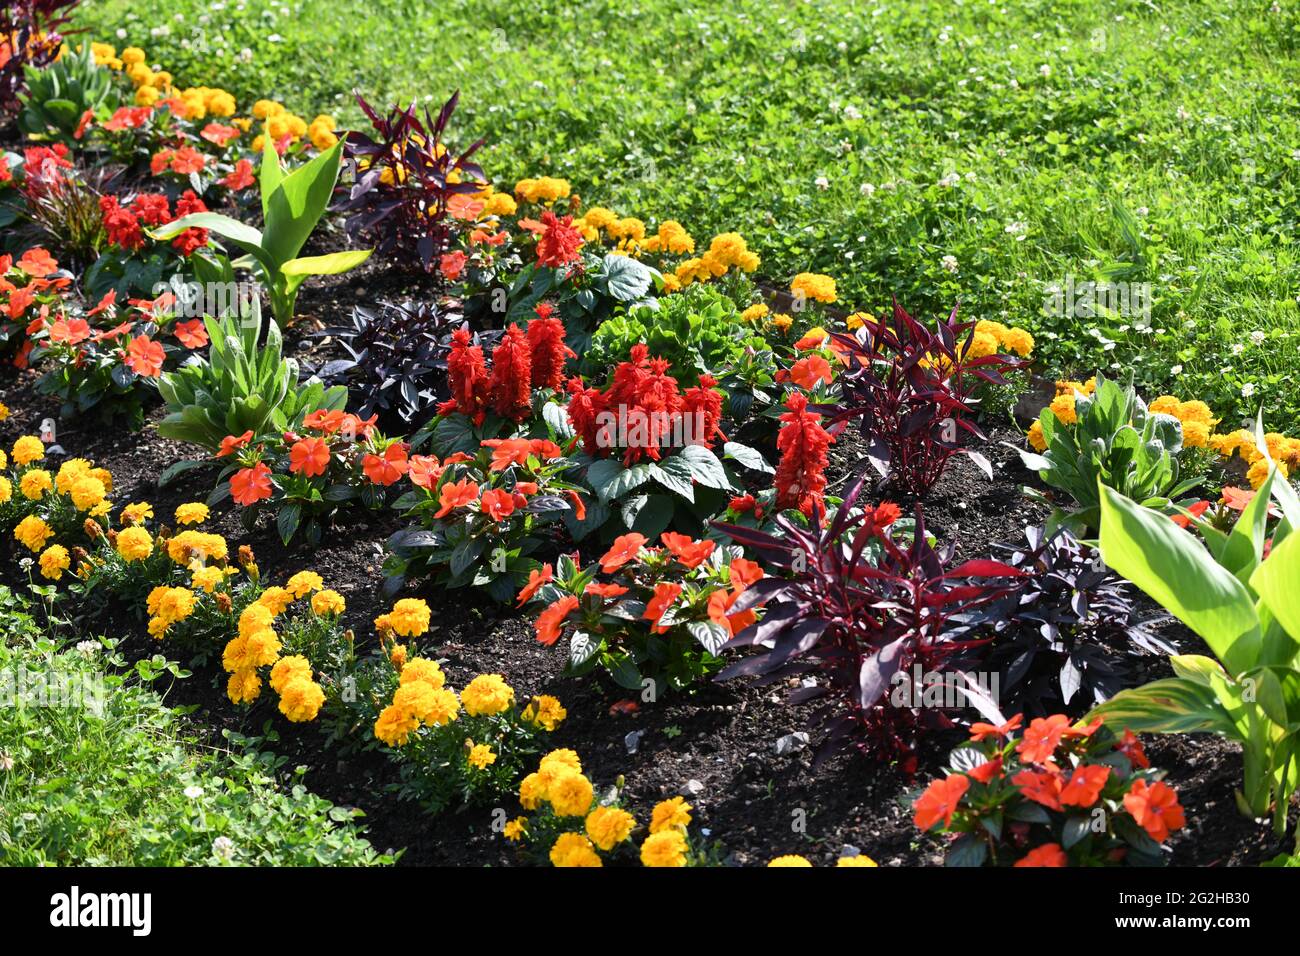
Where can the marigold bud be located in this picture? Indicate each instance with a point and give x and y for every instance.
(93, 531)
(223, 602)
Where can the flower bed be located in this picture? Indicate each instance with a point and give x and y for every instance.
(595, 529)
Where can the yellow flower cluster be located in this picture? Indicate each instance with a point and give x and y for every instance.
(666, 846)
(486, 695)
(1062, 407)
(421, 698)
(1283, 450)
(756, 312)
(813, 285)
(192, 512)
(168, 606)
(545, 711)
(726, 251)
(672, 237)
(992, 337)
(54, 561)
(133, 544)
(300, 696)
(256, 645)
(32, 532)
(544, 189)
(1195, 416)
(794, 860)
(409, 618)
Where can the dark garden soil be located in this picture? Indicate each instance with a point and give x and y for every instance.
(717, 745)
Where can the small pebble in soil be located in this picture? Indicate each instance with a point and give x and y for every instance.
(633, 740)
(692, 788)
(791, 743)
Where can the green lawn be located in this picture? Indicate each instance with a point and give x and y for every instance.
(1029, 141)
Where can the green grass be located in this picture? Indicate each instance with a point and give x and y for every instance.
(101, 773)
(1159, 145)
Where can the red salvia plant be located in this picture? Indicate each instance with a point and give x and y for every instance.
(559, 242)
(801, 474)
(862, 602)
(547, 348)
(404, 180)
(31, 32)
(510, 386)
(914, 391)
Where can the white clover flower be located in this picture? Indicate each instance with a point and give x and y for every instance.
(6, 762)
(88, 648)
(952, 179)
(821, 182)
(866, 189)
(223, 848)
(1248, 390)
(1176, 370)
(949, 263)
(1258, 337)
(193, 792)
(1045, 70)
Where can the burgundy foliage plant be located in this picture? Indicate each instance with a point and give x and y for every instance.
(29, 36)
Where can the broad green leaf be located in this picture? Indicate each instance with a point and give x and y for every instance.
(1170, 706)
(330, 264)
(1176, 571)
(1277, 582)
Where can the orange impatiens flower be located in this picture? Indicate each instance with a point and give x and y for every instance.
(456, 494)
(625, 548)
(987, 770)
(536, 579)
(807, 372)
(386, 469)
(309, 456)
(251, 485)
(605, 590)
(1131, 747)
(1042, 737)
(980, 730)
(425, 471)
(231, 444)
(69, 331)
(720, 603)
(1156, 809)
(145, 357)
(1085, 785)
(940, 800)
(690, 553)
(192, 334)
(37, 263)
(497, 504)
(508, 451)
(665, 594)
(744, 573)
(1049, 854)
(549, 621)
(1040, 786)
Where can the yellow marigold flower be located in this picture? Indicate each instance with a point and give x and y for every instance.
(383, 623)
(666, 848)
(327, 602)
(500, 204)
(1022, 343)
(982, 344)
(515, 829)
(598, 217)
(259, 145)
(183, 548)
(439, 708)
(103, 475)
(255, 617)
(244, 686)
(1195, 411)
(792, 859)
(1258, 472)
(69, 472)
(1037, 441)
(54, 561)
(1196, 434)
(671, 284)
(782, 322)
(574, 849)
(132, 54)
(860, 860)
(220, 103)
(301, 700)
(758, 310)
(206, 577)
(174, 604)
(32, 533)
(140, 75)
(1063, 408)
(287, 669)
(486, 695)
(1164, 405)
(147, 96)
(275, 599)
(6, 489)
(35, 483)
(394, 726)
(570, 794)
(162, 80)
(4, 414)
(628, 228)
(857, 320)
(532, 791)
(263, 109)
(322, 138)
(673, 238)
(134, 544)
(28, 449)
(424, 671)
(103, 52)
(481, 756)
(397, 656)
(545, 711)
(609, 826)
(557, 761)
(157, 628)
(813, 285)
(304, 582)
(193, 512)
(674, 814)
(409, 617)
